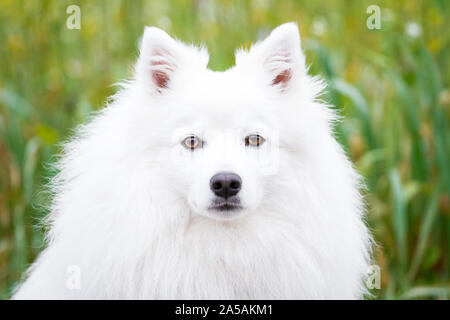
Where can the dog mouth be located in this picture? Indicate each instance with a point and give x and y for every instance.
(226, 205)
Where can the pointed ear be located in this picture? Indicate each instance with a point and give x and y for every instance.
(162, 58)
(158, 58)
(280, 56)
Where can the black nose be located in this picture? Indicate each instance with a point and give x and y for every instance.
(225, 184)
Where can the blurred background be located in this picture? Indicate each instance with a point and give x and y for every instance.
(391, 85)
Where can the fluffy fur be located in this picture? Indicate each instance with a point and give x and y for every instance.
(130, 206)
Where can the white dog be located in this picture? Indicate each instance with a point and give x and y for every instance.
(196, 184)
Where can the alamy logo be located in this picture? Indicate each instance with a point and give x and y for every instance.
(265, 160)
(74, 20)
(374, 20)
(373, 280)
(73, 277)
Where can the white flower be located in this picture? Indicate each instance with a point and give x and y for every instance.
(319, 26)
(164, 23)
(413, 29)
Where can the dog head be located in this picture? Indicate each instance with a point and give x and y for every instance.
(221, 135)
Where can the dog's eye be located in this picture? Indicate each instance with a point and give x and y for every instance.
(192, 142)
(254, 140)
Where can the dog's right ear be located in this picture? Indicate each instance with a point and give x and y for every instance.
(158, 58)
(162, 57)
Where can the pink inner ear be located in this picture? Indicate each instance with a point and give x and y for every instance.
(282, 77)
(161, 67)
(279, 65)
(160, 78)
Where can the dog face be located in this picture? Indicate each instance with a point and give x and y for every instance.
(223, 155)
(221, 130)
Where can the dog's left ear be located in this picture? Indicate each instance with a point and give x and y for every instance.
(281, 56)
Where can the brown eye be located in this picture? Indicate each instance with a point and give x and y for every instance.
(254, 140)
(192, 142)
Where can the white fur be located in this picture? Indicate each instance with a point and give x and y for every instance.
(130, 203)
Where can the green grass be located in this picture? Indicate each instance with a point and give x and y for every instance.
(392, 89)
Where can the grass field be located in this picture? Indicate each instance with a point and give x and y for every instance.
(391, 86)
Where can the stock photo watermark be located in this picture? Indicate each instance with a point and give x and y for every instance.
(373, 22)
(73, 281)
(74, 19)
(226, 147)
(373, 279)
